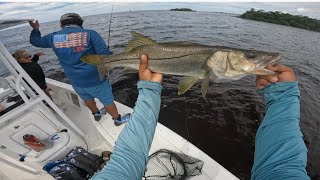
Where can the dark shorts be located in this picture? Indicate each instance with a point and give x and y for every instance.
(103, 92)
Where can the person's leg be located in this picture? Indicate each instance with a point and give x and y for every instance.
(87, 94)
(87, 98)
(91, 104)
(104, 94)
(112, 110)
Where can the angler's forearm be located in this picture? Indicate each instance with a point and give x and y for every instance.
(38, 41)
(280, 151)
(130, 155)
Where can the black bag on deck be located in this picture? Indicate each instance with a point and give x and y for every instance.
(84, 160)
(79, 164)
(64, 171)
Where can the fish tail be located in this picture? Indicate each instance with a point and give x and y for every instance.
(92, 59)
(102, 71)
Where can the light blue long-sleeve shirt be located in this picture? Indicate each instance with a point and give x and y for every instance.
(280, 152)
(130, 155)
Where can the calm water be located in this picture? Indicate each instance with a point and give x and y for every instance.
(223, 125)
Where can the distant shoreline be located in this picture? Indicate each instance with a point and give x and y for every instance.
(182, 9)
(302, 22)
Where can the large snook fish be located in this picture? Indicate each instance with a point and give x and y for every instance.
(194, 61)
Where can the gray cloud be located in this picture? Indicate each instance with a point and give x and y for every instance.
(53, 10)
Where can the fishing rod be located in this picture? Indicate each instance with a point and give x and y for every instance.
(108, 75)
(110, 26)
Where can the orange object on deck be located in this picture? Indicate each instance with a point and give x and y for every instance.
(33, 142)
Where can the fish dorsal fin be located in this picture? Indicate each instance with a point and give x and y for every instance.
(139, 40)
(186, 83)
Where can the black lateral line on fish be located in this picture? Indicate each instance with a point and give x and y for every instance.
(163, 58)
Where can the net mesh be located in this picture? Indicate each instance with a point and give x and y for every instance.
(168, 165)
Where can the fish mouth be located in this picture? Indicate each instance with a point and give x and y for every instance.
(260, 67)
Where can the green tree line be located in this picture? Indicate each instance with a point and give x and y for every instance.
(277, 17)
(181, 9)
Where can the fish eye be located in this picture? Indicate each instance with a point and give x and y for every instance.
(251, 55)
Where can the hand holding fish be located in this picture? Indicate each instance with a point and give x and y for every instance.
(34, 25)
(285, 74)
(145, 74)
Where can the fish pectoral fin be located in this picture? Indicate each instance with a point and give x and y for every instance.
(128, 70)
(186, 83)
(205, 84)
(139, 40)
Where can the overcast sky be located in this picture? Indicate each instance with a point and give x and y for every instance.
(50, 11)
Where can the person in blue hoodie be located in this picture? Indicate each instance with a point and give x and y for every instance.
(280, 150)
(69, 44)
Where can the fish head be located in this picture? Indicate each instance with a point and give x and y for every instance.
(252, 62)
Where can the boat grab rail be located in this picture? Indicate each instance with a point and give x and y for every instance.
(8, 64)
(11, 114)
(19, 90)
(13, 66)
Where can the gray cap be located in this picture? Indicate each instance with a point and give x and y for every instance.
(70, 16)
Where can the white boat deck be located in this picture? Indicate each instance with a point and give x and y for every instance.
(164, 138)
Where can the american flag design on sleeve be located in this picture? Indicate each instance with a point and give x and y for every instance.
(77, 41)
